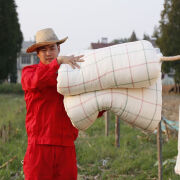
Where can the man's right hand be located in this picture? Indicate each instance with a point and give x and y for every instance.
(71, 60)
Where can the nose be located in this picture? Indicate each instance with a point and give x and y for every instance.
(48, 52)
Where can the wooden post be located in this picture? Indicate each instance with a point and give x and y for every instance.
(4, 133)
(167, 131)
(107, 117)
(117, 131)
(159, 149)
(9, 129)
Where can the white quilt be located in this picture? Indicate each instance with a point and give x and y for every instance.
(128, 65)
(123, 78)
(138, 107)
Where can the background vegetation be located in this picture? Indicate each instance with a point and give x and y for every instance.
(11, 39)
(97, 156)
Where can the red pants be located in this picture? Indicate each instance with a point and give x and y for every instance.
(49, 162)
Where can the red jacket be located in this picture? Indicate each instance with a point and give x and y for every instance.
(46, 118)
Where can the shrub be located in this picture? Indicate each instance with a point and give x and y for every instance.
(11, 88)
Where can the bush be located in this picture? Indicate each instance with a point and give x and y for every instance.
(11, 88)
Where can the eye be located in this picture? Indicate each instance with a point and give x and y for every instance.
(43, 50)
(52, 48)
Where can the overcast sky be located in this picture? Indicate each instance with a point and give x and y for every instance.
(86, 21)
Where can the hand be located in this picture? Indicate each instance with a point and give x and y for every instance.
(71, 60)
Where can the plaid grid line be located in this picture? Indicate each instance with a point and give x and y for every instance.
(109, 72)
(129, 66)
(84, 109)
(97, 101)
(97, 69)
(83, 82)
(146, 64)
(125, 103)
(140, 107)
(113, 67)
(154, 110)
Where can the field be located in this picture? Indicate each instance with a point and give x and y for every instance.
(97, 156)
(171, 105)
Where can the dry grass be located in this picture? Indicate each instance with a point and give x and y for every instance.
(171, 106)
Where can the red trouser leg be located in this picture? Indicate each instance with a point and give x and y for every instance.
(47, 162)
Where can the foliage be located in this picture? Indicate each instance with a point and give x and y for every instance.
(12, 109)
(133, 37)
(10, 38)
(168, 34)
(124, 40)
(12, 88)
(146, 37)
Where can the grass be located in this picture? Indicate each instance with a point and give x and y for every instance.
(11, 88)
(97, 156)
(12, 109)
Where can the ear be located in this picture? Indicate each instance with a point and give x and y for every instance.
(58, 46)
(37, 54)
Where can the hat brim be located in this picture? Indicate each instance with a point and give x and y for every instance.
(38, 45)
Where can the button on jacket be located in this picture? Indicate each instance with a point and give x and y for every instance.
(46, 118)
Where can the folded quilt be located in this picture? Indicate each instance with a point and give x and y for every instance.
(124, 78)
(140, 107)
(128, 65)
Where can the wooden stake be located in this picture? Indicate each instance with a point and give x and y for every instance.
(167, 130)
(170, 58)
(159, 149)
(6, 163)
(117, 132)
(107, 117)
(4, 133)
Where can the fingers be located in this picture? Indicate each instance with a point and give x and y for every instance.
(74, 59)
(73, 63)
(77, 58)
(71, 60)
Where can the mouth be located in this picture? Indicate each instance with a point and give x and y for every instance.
(49, 59)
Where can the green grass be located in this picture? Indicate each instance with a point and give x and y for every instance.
(11, 88)
(97, 155)
(12, 109)
(135, 159)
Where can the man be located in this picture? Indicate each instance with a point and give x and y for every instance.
(50, 153)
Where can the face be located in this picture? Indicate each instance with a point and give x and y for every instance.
(47, 53)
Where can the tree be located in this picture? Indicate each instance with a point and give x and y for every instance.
(10, 38)
(133, 37)
(168, 34)
(120, 41)
(146, 37)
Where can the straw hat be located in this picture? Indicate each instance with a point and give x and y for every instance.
(45, 37)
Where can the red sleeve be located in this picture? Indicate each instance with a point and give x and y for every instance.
(100, 114)
(39, 76)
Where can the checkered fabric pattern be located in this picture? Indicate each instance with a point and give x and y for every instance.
(128, 65)
(140, 107)
(125, 79)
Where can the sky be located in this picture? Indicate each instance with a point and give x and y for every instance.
(86, 21)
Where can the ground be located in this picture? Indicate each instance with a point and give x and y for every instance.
(171, 105)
